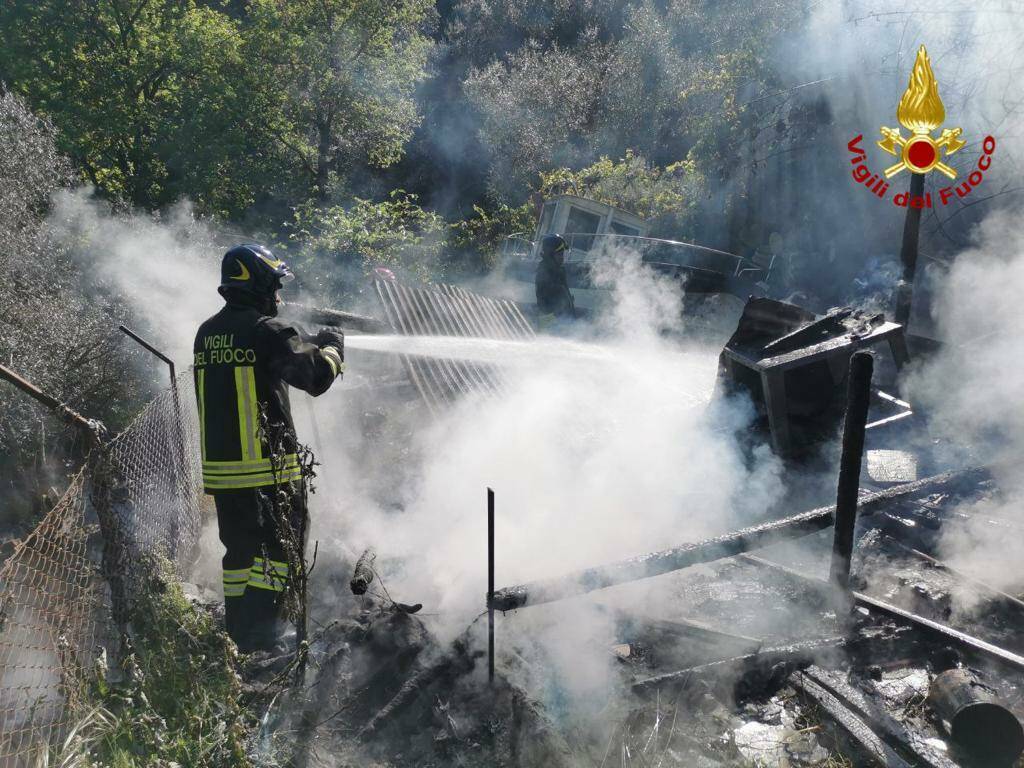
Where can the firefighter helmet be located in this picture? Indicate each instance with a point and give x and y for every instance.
(253, 269)
(551, 244)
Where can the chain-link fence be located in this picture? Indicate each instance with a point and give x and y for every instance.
(66, 590)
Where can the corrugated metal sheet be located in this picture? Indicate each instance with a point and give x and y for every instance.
(448, 310)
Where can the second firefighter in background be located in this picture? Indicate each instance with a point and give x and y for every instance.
(554, 299)
(245, 361)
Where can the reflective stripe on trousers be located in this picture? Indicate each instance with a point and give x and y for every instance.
(268, 574)
(234, 581)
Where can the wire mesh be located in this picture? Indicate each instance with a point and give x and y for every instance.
(66, 590)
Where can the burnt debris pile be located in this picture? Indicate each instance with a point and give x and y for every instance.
(826, 632)
(382, 690)
(830, 636)
(793, 365)
(759, 662)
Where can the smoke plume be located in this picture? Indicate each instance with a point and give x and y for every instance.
(972, 391)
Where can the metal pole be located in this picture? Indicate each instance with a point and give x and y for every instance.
(92, 430)
(177, 442)
(858, 398)
(146, 345)
(908, 252)
(490, 585)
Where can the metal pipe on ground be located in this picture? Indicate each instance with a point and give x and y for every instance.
(977, 723)
(362, 575)
(858, 399)
(717, 548)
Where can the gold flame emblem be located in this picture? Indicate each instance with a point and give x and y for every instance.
(921, 111)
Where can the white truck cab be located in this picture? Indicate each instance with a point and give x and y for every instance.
(710, 278)
(581, 220)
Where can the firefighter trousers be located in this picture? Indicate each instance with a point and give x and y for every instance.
(255, 562)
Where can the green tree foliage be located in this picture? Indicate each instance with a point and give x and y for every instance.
(54, 335)
(666, 197)
(343, 74)
(533, 105)
(160, 99)
(661, 79)
(481, 31)
(475, 243)
(154, 100)
(342, 245)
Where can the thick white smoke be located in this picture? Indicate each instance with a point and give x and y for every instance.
(974, 390)
(597, 452)
(166, 268)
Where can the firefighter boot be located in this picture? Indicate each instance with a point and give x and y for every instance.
(235, 580)
(259, 620)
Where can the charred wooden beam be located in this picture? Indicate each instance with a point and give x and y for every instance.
(936, 563)
(942, 632)
(858, 399)
(786, 658)
(911, 745)
(869, 741)
(458, 660)
(938, 631)
(682, 639)
(726, 545)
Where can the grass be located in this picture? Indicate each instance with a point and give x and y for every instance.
(178, 700)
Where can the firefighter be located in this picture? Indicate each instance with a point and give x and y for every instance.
(554, 300)
(245, 360)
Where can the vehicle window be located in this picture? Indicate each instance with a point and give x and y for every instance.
(579, 225)
(624, 229)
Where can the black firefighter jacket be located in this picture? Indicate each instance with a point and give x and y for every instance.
(244, 363)
(552, 288)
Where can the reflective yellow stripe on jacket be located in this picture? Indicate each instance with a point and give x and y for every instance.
(253, 470)
(201, 388)
(248, 413)
(250, 474)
